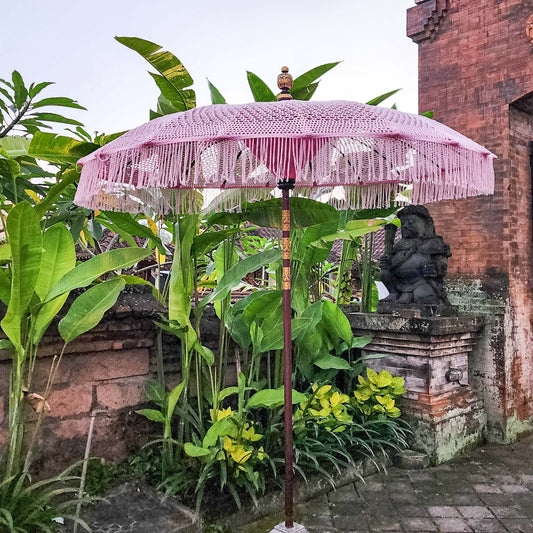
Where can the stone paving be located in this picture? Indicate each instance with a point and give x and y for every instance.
(139, 509)
(488, 490)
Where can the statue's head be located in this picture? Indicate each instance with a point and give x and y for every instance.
(416, 222)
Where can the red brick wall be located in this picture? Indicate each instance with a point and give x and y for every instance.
(519, 229)
(477, 63)
(104, 370)
(474, 62)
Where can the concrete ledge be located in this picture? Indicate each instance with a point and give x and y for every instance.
(417, 326)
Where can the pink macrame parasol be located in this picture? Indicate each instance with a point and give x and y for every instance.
(364, 154)
(368, 150)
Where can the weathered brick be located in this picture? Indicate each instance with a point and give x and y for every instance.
(120, 393)
(95, 367)
(72, 400)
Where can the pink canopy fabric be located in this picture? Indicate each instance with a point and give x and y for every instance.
(370, 151)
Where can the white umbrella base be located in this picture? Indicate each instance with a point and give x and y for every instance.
(297, 528)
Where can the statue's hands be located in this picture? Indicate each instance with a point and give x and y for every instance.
(385, 262)
(429, 271)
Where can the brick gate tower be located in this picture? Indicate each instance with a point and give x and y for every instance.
(476, 74)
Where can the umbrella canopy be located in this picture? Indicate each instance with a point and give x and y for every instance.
(249, 148)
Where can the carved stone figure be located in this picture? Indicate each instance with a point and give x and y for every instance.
(413, 268)
(529, 28)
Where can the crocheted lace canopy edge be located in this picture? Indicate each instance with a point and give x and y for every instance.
(348, 154)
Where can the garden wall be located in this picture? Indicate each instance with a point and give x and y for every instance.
(475, 72)
(102, 372)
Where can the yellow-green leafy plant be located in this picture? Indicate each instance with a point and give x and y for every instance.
(376, 395)
(232, 446)
(325, 405)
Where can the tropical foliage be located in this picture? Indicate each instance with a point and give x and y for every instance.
(213, 433)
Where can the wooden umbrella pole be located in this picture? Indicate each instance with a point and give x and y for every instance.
(285, 84)
(287, 348)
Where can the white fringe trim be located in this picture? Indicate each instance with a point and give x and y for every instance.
(164, 178)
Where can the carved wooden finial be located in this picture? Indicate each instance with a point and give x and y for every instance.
(284, 84)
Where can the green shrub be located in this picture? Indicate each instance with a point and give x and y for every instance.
(40, 507)
(376, 395)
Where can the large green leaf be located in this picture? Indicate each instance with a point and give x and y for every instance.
(356, 228)
(59, 257)
(166, 106)
(218, 429)
(174, 98)
(15, 146)
(307, 322)
(306, 93)
(21, 93)
(273, 398)
(5, 286)
(85, 273)
(126, 224)
(245, 311)
(172, 399)
(309, 248)
(236, 273)
(205, 242)
(311, 75)
(168, 65)
(58, 149)
(216, 97)
(361, 342)
(24, 236)
(260, 90)
(378, 99)
(152, 414)
(67, 179)
(328, 362)
(195, 451)
(238, 329)
(58, 101)
(336, 322)
(181, 277)
(304, 213)
(260, 305)
(88, 309)
(54, 117)
(271, 337)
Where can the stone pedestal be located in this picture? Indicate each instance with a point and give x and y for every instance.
(431, 354)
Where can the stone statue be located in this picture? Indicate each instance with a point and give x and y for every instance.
(413, 268)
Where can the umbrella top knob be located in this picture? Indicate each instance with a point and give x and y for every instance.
(284, 84)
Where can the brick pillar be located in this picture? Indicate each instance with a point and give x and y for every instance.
(445, 414)
(476, 74)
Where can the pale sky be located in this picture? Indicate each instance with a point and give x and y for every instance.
(71, 43)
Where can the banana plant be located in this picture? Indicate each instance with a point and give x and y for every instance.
(167, 404)
(172, 79)
(39, 274)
